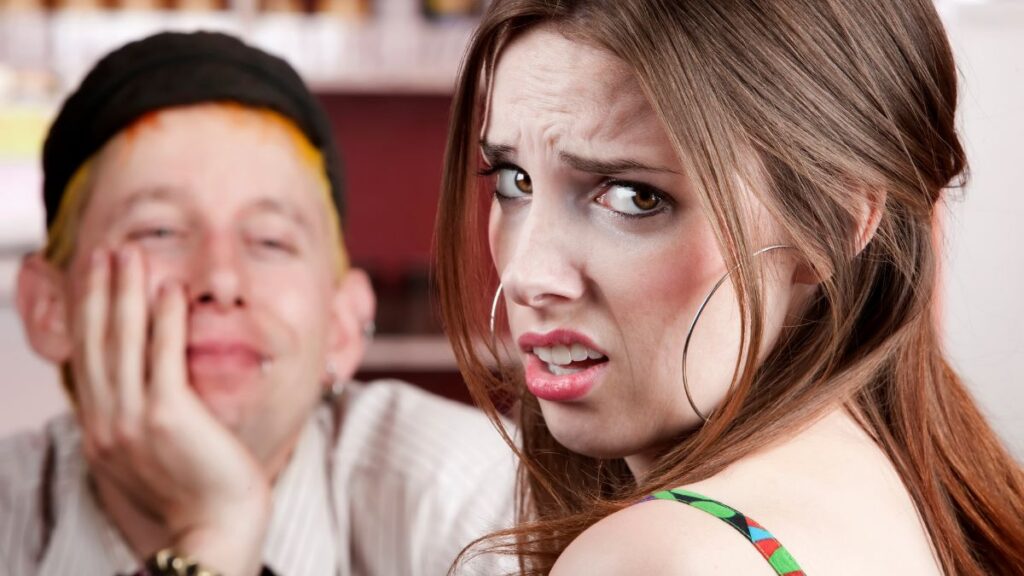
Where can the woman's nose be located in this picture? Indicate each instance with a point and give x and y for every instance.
(544, 265)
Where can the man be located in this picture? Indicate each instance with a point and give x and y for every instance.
(196, 294)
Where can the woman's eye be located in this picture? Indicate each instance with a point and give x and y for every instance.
(513, 183)
(631, 199)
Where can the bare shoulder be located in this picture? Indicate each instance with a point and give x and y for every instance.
(661, 537)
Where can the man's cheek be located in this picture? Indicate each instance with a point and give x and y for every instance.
(300, 309)
(159, 271)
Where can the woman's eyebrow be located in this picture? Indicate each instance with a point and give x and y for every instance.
(609, 167)
(502, 154)
(496, 153)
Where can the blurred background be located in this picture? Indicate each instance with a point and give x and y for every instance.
(384, 70)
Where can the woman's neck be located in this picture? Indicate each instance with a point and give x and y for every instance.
(640, 464)
(836, 423)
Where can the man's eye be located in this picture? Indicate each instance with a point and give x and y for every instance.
(276, 244)
(632, 199)
(154, 233)
(512, 183)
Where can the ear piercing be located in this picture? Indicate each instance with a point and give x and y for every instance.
(335, 387)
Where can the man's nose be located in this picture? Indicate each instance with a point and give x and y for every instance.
(217, 276)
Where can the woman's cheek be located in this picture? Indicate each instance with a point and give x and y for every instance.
(497, 236)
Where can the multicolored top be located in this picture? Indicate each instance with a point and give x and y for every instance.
(769, 547)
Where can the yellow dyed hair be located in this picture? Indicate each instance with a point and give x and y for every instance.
(60, 241)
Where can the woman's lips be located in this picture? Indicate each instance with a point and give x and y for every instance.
(527, 342)
(561, 388)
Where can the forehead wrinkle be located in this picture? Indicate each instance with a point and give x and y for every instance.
(546, 104)
(531, 83)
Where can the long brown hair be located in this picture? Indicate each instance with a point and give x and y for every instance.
(838, 101)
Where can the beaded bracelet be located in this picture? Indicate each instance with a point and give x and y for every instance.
(167, 563)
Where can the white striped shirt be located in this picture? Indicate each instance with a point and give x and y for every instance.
(398, 487)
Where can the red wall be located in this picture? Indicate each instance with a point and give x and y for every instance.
(392, 148)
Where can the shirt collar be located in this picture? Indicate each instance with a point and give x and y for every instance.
(303, 536)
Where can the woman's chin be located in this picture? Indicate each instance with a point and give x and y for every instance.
(587, 434)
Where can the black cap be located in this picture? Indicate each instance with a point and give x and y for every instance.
(177, 69)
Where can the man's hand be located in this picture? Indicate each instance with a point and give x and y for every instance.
(147, 432)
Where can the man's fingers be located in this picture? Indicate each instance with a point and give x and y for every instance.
(129, 338)
(169, 374)
(91, 384)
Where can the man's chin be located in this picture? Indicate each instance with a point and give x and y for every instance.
(224, 398)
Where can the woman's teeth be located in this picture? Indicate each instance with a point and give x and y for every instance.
(562, 371)
(559, 358)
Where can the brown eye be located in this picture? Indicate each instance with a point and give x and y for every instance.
(632, 200)
(645, 201)
(513, 183)
(523, 183)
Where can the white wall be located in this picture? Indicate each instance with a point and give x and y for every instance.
(29, 389)
(984, 277)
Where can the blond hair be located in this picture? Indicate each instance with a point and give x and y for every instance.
(62, 233)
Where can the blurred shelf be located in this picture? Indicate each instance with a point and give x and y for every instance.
(385, 84)
(427, 353)
(22, 223)
(401, 52)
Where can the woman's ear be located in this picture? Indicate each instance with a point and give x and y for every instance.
(870, 217)
(42, 304)
(352, 312)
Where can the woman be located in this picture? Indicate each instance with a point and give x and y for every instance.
(712, 224)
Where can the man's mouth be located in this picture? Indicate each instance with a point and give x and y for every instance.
(209, 359)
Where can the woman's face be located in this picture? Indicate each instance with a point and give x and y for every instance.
(604, 252)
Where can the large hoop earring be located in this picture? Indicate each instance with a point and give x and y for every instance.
(696, 317)
(494, 313)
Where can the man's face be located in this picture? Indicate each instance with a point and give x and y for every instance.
(223, 200)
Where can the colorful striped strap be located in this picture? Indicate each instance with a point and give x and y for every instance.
(769, 547)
